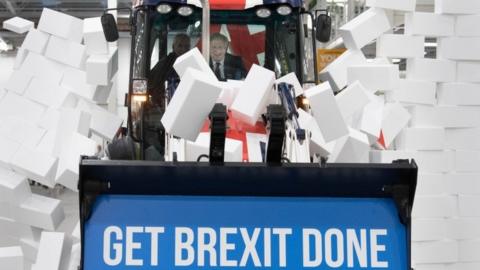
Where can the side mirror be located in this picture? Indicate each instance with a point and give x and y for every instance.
(109, 27)
(323, 27)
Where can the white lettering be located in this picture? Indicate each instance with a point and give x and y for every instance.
(225, 247)
(267, 248)
(250, 250)
(131, 245)
(282, 244)
(180, 246)
(117, 247)
(375, 248)
(206, 247)
(154, 232)
(307, 262)
(360, 247)
(328, 247)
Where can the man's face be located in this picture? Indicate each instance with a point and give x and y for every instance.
(181, 46)
(218, 48)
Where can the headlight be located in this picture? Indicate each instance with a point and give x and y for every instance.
(284, 10)
(263, 12)
(164, 8)
(185, 11)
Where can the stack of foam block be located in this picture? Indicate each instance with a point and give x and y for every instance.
(49, 116)
(443, 97)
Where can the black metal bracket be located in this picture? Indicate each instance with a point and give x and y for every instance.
(400, 195)
(218, 130)
(276, 118)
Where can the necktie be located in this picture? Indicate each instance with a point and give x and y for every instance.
(217, 71)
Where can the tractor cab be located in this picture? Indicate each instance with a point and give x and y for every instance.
(276, 35)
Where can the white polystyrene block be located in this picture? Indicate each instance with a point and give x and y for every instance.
(104, 123)
(445, 116)
(40, 211)
(291, 78)
(428, 229)
(374, 77)
(406, 5)
(468, 71)
(18, 25)
(421, 139)
(193, 100)
(36, 41)
(467, 161)
(233, 148)
(428, 161)
(445, 251)
(76, 232)
(67, 171)
(430, 266)
(228, 94)
(75, 80)
(50, 250)
(371, 119)
(468, 250)
(193, 59)
(41, 67)
(463, 183)
(18, 230)
(326, 112)
(466, 26)
(463, 228)
(14, 187)
(434, 206)
(429, 24)
(49, 119)
(3, 92)
(29, 248)
(75, 257)
(61, 25)
(400, 46)
(254, 146)
(462, 138)
(94, 37)
(18, 82)
(395, 118)
(435, 70)
(352, 148)
(9, 149)
(66, 52)
(35, 165)
(414, 91)
(352, 99)
(71, 121)
(457, 6)
(463, 266)
(16, 106)
(46, 93)
(453, 94)
(458, 48)
(336, 72)
(468, 205)
(431, 184)
(21, 55)
(253, 97)
(11, 258)
(101, 68)
(317, 142)
(365, 28)
(48, 142)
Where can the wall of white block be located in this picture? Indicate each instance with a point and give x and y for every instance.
(45, 109)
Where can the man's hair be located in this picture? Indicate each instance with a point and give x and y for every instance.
(179, 37)
(218, 36)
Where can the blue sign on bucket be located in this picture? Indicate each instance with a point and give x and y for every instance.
(197, 232)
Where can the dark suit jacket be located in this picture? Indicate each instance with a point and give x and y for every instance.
(233, 68)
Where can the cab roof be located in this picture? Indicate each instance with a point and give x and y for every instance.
(224, 4)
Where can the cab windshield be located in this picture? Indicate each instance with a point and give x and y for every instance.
(239, 39)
